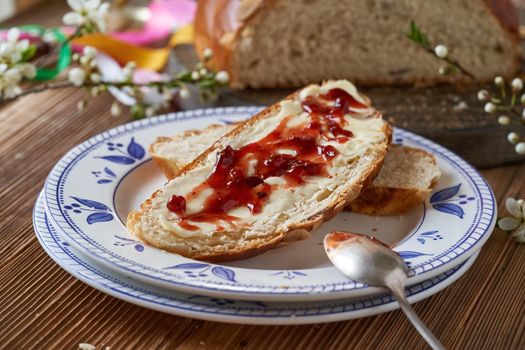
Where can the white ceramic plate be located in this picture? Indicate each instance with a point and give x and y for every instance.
(218, 309)
(92, 189)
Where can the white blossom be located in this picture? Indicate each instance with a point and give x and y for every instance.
(88, 13)
(441, 51)
(517, 85)
(195, 75)
(499, 81)
(503, 120)
(95, 78)
(150, 111)
(116, 110)
(483, 95)
(515, 222)
(513, 137)
(77, 76)
(520, 148)
(12, 66)
(184, 92)
(89, 52)
(208, 53)
(222, 77)
(490, 107)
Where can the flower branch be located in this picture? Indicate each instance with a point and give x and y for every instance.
(439, 51)
(18, 66)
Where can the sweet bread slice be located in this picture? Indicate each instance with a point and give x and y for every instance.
(405, 180)
(290, 167)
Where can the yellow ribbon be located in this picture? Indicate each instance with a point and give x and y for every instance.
(144, 57)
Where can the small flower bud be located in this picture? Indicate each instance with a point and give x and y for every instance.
(95, 78)
(222, 77)
(81, 105)
(513, 138)
(499, 81)
(441, 51)
(208, 53)
(75, 57)
(84, 60)
(203, 71)
(520, 148)
(517, 85)
(504, 120)
(115, 109)
(150, 111)
(184, 93)
(490, 107)
(520, 202)
(483, 95)
(89, 52)
(77, 76)
(444, 70)
(195, 75)
(94, 91)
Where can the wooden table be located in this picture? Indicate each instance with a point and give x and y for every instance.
(43, 307)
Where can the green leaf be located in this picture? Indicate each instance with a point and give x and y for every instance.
(138, 111)
(416, 35)
(29, 53)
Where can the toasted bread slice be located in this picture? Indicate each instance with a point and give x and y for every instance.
(202, 223)
(405, 180)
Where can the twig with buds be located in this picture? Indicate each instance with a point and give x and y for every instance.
(505, 102)
(88, 16)
(439, 51)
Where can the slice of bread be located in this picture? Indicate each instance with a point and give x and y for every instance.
(173, 153)
(405, 180)
(283, 43)
(289, 200)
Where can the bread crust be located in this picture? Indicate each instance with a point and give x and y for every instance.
(259, 246)
(218, 23)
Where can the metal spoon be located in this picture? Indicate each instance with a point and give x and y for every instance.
(368, 260)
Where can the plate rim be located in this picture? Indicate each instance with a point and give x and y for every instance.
(224, 289)
(376, 304)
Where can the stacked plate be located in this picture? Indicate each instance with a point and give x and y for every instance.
(80, 217)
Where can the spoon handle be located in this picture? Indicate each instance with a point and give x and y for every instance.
(399, 293)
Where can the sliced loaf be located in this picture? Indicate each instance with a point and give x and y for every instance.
(283, 43)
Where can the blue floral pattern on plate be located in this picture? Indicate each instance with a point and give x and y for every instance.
(99, 212)
(219, 309)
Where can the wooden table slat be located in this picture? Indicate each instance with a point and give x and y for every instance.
(43, 307)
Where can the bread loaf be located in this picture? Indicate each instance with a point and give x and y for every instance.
(286, 43)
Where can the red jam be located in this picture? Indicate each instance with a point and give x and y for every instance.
(234, 188)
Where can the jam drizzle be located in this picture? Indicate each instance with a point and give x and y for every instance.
(292, 153)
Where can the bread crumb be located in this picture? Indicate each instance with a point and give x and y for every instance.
(86, 346)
